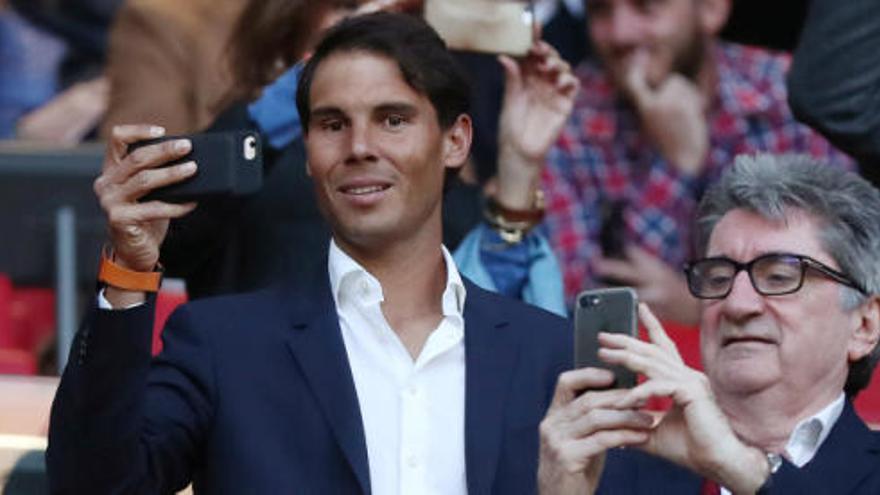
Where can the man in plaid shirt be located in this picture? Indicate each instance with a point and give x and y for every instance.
(668, 110)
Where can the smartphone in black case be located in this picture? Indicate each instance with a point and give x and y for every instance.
(229, 163)
(611, 310)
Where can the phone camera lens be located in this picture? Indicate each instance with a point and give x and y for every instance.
(590, 301)
(250, 148)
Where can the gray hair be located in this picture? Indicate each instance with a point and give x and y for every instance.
(846, 206)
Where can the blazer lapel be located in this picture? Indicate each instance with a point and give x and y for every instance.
(490, 357)
(850, 452)
(316, 343)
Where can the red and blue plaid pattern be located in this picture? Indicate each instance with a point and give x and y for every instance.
(602, 156)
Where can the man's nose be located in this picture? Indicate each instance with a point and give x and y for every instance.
(626, 26)
(743, 300)
(361, 145)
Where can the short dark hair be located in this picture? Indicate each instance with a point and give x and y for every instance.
(425, 63)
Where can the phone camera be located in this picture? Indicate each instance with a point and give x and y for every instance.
(590, 301)
(250, 147)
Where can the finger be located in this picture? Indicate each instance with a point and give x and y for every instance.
(573, 382)
(137, 213)
(656, 333)
(152, 156)
(645, 391)
(618, 269)
(567, 84)
(121, 136)
(636, 77)
(149, 180)
(601, 441)
(554, 64)
(607, 419)
(630, 360)
(590, 401)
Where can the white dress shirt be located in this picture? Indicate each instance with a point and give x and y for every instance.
(809, 434)
(412, 410)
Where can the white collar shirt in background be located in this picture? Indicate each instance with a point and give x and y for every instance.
(809, 434)
(412, 410)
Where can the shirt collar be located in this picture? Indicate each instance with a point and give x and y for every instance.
(347, 276)
(810, 433)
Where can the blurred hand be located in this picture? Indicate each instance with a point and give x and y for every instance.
(672, 115)
(538, 99)
(578, 429)
(657, 284)
(137, 229)
(695, 433)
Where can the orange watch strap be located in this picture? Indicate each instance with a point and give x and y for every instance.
(122, 278)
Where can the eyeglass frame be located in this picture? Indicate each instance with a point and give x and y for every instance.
(803, 260)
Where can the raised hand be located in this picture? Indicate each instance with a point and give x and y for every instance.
(695, 433)
(538, 99)
(578, 429)
(672, 114)
(137, 229)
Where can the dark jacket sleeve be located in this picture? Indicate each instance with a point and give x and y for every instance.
(121, 423)
(834, 83)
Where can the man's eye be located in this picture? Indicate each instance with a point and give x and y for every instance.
(395, 120)
(331, 125)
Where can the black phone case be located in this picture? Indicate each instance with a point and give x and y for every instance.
(223, 168)
(610, 310)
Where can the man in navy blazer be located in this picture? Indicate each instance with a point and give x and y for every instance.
(790, 322)
(391, 375)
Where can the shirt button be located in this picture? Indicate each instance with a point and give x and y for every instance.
(412, 461)
(413, 390)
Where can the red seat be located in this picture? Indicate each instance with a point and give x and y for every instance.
(17, 362)
(166, 302)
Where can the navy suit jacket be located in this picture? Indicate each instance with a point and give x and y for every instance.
(847, 463)
(253, 394)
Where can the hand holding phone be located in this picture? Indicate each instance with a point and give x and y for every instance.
(610, 310)
(229, 163)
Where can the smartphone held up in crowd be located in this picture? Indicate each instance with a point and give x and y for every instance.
(229, 164)
(612, 310)
(490, 26)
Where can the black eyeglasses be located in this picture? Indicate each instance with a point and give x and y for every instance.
(772, 274)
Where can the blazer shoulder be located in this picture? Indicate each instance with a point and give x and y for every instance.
(532, 322)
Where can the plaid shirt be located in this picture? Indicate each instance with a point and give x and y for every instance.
(603, 157)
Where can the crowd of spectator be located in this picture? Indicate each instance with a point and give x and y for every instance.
(602, 157)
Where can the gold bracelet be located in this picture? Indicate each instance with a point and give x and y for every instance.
(512, 224)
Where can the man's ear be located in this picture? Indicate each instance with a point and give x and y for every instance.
(457, 142)
(713, 15)
(867, 332)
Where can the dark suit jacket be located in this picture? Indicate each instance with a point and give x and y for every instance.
(847, 463)
(253, 394)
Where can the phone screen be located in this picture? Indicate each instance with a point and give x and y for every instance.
(610, 310)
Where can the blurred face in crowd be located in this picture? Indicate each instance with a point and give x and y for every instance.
(673, 34)
(377, 152)
(798, 344)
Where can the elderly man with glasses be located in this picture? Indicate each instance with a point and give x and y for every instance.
(789, 283)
